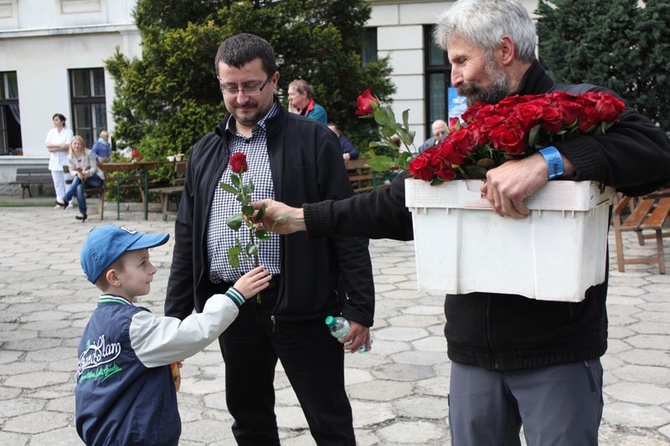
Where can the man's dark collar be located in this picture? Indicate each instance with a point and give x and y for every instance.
(535, 80)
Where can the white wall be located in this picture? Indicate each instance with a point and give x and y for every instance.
(400, 36)
(41, 43)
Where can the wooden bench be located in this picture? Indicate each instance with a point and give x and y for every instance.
(27, 176)
(175, 188)
(640, 215)
(362, 177)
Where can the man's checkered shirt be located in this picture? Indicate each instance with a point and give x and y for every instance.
(219, 236)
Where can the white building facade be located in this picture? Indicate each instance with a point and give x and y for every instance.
(52, 56)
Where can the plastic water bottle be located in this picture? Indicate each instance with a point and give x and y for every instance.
(339, 327)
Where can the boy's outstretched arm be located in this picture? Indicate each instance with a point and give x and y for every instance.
(160, 341)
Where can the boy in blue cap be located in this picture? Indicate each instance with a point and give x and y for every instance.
(125, 392)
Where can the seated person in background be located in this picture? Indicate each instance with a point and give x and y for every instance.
(439, 132)
(84, 169)
(301, 101)
(101, 148)
(349, 152)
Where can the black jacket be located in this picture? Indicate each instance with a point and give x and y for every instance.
(318, 278)
(508, 332)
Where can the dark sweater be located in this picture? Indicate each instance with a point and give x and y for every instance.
(508, 332)
(317, 278)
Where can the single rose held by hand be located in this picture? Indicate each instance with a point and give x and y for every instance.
(238, 162)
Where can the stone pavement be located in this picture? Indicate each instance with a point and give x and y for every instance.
(398, 390)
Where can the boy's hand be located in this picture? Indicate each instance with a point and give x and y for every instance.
(253, 282)
(176, 374)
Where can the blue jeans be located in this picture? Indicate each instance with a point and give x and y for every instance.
(78, 187)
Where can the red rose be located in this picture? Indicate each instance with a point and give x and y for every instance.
(510, 139)
(462, 142)
(364, 103)
(588, 120)
(420, 168)
(447, 152)
(238, 162)
(570, 111)
(528, 115)
(445, 173)
(552, 120)
(610, 108)
(454, 124)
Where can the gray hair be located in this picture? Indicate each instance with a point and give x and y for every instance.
(302, 86)
(482, 23)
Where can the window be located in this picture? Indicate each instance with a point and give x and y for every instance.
(10, 117)
(89, 109)
(369, 53)
(79, 6)
(438, 77)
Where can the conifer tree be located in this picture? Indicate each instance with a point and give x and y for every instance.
(618, 44)
(589, 41)
(653, 84)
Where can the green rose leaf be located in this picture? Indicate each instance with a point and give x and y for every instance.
(252, 249)
(228, 188)
(234, 222)
(234, 256)
(381, 163)
(237, 181)
(263, 234)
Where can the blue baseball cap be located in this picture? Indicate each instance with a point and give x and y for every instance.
(107, 243)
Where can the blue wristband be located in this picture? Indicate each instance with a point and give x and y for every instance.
(554, 161)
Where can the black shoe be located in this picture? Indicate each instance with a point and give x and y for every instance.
(64, 205)
(81, 217)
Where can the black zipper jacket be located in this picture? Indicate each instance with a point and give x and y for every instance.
(509, 332)
(318, 278)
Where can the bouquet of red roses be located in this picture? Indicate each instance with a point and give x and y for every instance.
(513, 128)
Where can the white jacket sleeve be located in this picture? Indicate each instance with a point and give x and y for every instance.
(159, 341)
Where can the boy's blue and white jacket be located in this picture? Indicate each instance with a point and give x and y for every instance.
(125, 393)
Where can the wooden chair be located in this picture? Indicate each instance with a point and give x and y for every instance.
(641, 215)
(173, 190)
(361, 176)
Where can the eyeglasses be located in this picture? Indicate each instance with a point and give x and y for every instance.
(247, 91)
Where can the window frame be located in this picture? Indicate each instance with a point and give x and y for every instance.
(430, 70)
(88, 100)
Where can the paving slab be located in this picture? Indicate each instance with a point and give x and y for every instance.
(398, 390)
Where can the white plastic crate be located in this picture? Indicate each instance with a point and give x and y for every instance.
(463, 246)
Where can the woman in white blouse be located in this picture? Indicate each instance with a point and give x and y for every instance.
(84, 167)
(58, 144)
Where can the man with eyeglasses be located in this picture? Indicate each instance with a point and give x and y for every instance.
(296, 160)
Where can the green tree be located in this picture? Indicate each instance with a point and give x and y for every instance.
(613, 43)
(170, 97)
(589, 41)
(653, 83)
